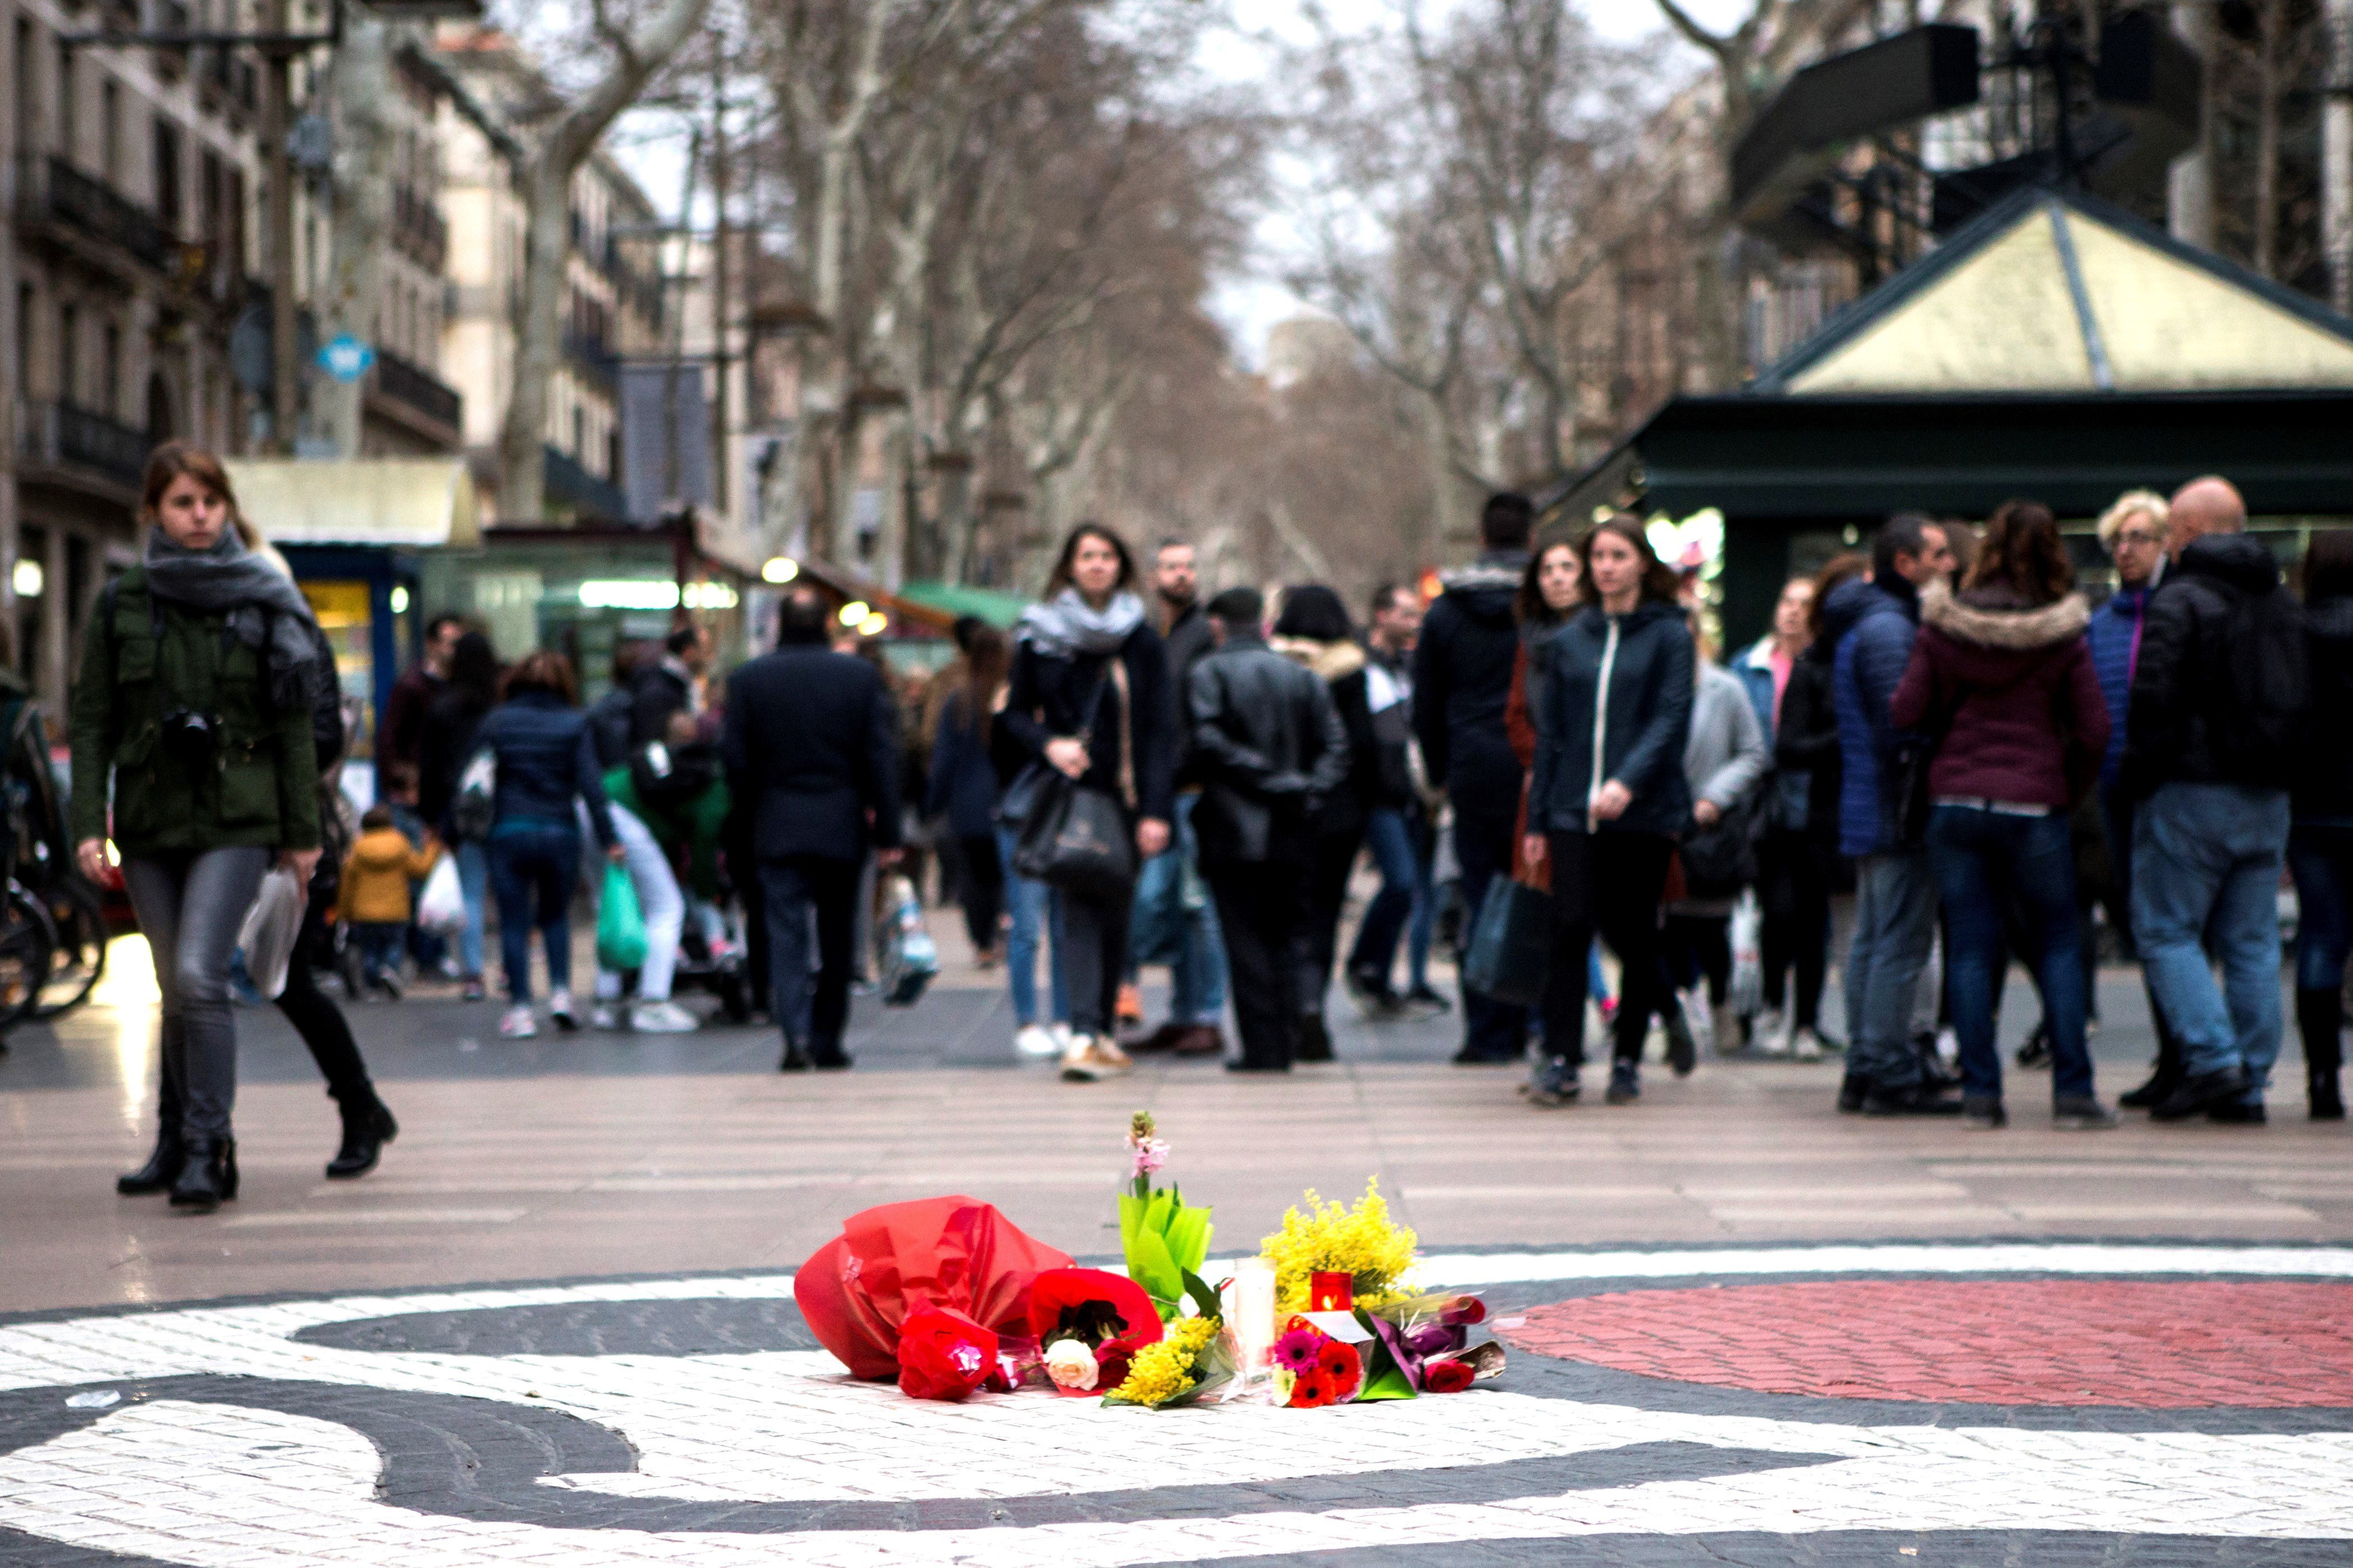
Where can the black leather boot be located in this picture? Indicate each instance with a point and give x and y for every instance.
(368, 1126)
(207, 1175)
(2320, 1019)
(161, 1167)
(1314, 1040)
(2165, 1077)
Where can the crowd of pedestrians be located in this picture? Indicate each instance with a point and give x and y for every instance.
(1897, 779)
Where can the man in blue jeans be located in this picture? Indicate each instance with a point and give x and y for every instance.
(1393, 824)
(2218, 701)
(1872, 622)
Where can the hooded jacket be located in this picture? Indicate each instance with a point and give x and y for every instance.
(2185, 676)
(2114, 638)
(1461, 679)
(1617, 697)
(2027, 723)
(2323, 788)
(1871, 630)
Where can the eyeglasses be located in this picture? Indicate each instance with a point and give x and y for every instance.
(2139, 536)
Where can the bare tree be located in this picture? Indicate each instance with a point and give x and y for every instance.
(363, 92)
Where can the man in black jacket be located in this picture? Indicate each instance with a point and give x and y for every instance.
(665, 686)
(2218, 700)
(811, 743)
(1461, 681)
(1268, 746)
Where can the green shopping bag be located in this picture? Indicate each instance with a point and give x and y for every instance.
(620, 923)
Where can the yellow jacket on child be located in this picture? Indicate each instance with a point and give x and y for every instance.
(377, 874)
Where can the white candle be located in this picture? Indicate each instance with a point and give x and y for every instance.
(1253, 1321)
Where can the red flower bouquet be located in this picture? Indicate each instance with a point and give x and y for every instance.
(1076, 1313)
(943, 1354)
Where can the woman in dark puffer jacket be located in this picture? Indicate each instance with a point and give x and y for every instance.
(2002, 671)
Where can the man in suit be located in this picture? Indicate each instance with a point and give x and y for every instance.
(812, 756)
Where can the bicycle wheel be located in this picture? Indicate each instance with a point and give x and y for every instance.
(26, 941)
(79, 962)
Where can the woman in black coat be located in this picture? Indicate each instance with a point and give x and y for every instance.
(1089, 697)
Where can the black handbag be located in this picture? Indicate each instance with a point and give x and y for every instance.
(1510, 944)
(1719, 861)
(1074, 835)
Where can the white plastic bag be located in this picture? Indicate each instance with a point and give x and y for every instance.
(1746, 993)
(909, 957)
(270, 929)
(441, 907)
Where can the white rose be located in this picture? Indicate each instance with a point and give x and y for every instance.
(1070, 1365)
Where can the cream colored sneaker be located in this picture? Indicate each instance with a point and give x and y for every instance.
(1032, 1043)
(1806, 1045)
(1091, 1058)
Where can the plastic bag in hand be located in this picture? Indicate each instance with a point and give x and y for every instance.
(909, 955)
(270, 929)
(1746, 993)
(441, 907)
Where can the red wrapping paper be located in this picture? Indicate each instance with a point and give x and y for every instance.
(857, 1289)
(942, 1355)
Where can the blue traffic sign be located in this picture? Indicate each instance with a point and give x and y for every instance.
(345, 358)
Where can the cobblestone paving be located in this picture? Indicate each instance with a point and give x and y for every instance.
(687, 1420)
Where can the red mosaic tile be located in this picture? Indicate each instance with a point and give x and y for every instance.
(2137, 1344)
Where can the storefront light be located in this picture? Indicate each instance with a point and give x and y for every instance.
(709, 596)
(781, 569)
(856, 611)
(28, 579)
(400, 598)
(628, 593)
(874, 625)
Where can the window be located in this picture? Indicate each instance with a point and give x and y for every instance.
(24, 298)
(580, 434)
(110, 133)
(167, 172)
(69, 99)
(28, 97)
(110, 370)
(69, 354)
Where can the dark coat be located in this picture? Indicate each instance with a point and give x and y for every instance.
(1462, 680)
(1643, 721)
(1871, 627)
(406, 713)
(658, 692)
(2183, 680)
(610, 720)
(1340, 666)
(1046, 693)
(2024, 720)
(2324, 780)
(1806, 742)
(452, 728)
(545, 760)
(1269, 747)
(812, 750)
(963, 782)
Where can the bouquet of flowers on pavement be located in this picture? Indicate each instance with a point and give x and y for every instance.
(1426, 1340)
(1163, 1239)
(1363, 1243)
(1192, 1360)
(1089, 1325)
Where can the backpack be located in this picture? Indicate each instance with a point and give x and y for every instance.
(2264, 685)
(474, 806)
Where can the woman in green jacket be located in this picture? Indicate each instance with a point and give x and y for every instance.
(194, 699)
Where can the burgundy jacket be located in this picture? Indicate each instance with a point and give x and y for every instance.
(2013, 691)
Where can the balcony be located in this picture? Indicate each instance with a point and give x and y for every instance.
(593, 360)
(416, 398)
(418, 230)
(590, 498)
(93, 217)
(76, 445)
(229, 85)
(170, 16)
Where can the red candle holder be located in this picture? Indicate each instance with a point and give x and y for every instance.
(1331, 1293)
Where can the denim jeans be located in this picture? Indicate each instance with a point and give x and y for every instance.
(534, 863)
(1983, 858)
(379, 942)
(2321, 860)
(1388, 837)
(2206, 863)
(473, 882)
(1189, 940)
(190, 907)
(1037, 909)
(1895, 922)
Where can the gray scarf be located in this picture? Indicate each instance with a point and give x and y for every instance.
(1065, 625)
(256, 597)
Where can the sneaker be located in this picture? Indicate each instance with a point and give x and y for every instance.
(1769, 1036)
(2081, 1113)
(473, 990)
(1372, 995)
(1092, 1059)
(1806, 1045)
(1554, 1086)
(388, 981)
(559, 1007)
(604, 1016)
(2035, 1054)
(1062, 1036)
(1912, 1099)
(1625, 1083)
(1130, 1007)
(1031, 1043)
(1684, 1027)
(517, 1022)
(1983, 1112)
(1427, 1002)
(1854, 1090)
(662, 1018)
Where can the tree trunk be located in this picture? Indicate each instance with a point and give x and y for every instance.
(547, 195)
(364, 140)
(2270, 23)
(2337, 156)
(2190, 183)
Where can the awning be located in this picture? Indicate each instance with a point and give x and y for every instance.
(389, 502)
(953, 599)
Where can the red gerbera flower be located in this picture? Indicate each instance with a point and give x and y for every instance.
(1341, 1367)
(1446, 1376)
(1308, 1392)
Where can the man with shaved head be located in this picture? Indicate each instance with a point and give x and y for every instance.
(2216, 714)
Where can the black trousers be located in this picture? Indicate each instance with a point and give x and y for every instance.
(1699, 947)
(1605, 883)
(1096, 957)
(1327, 893)
(981, 889)
(1794, 887)
(1263, 908)
(799, 892)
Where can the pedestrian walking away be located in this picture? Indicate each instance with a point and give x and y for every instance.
(812, 754)
(1269, 747)
(1872, 623)
(2320, 839)
(375, 899)
(1608, 795)
(962, 786)
(1394, 820)
(1462, 681)
(546, 760)
(2219, 701)
(195, 703)
(456, 721)
(2002, 677)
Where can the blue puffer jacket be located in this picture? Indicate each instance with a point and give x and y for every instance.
(546, 756)
(2114, 634)
(1643, 725)
(1873, 626)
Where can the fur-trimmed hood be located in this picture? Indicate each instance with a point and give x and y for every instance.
(1993, 618)
(1330, 660)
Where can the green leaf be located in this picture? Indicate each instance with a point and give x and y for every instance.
(1188, 1238)
(1204, 1298)
(1390, 1384)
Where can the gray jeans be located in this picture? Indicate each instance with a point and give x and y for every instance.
(1894, 925)
(190, 906)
